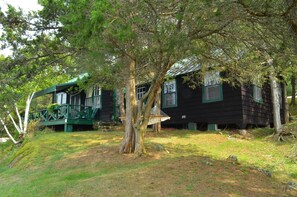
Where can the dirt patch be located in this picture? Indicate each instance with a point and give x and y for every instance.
(159, 175)
(100, 154)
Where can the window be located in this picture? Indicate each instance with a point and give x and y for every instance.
(212, 88)
(169, 94)
(140, 91)
(257, 93)
(97, 97)
(61, 98)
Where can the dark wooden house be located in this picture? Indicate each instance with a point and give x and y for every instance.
(74, 109)
(214, 104)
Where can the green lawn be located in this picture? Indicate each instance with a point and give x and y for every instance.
(192, 163)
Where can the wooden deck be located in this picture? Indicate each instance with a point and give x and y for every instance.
(67, 115)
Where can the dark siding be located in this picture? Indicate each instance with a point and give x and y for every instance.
(254, 112)
(228, 111)
(258, 113)
(107, 106)
(82, 98)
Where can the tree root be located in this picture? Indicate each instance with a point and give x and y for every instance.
(283, 136)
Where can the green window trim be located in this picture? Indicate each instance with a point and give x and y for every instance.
(164, 104)
(258, 98)
(219, 98)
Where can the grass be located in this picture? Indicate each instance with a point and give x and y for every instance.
(193, 163)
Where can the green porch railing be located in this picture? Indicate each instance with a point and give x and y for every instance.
(65, 111)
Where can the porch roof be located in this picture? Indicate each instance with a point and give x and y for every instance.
(59, 87)
(54, 88)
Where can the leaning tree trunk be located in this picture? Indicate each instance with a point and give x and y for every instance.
(275, 102)
(157, 126)
(293, 83)
(144, 113)
(130, 138)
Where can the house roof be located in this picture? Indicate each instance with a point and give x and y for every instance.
(184, 66)
(59, 87)
(54, 88)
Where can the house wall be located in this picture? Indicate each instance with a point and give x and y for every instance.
(191, 109)
(107, 110)
(258, 113)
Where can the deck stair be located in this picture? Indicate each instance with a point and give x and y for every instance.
(108, 126)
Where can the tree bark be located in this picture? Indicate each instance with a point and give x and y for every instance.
(293, 83)
(157, 126)
(143, 114)
(131, 137)
(275, 102)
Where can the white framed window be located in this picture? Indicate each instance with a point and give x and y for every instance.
(212, 90)
(169, 94)
(61, 98)
(140, 91)
(257, 93)
(257, 89)
(96, 97)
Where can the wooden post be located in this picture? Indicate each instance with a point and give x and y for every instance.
(68, 127)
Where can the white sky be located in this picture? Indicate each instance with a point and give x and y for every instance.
(26, 5)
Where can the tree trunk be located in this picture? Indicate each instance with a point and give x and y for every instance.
(131, 137)
(293, 83)
(139, 117)
(275, 102)
(144, 114)
(157, 126)
(8, 133)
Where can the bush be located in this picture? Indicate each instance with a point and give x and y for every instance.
(53, 107)
(33, 126)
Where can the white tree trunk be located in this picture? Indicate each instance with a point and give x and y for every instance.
(26, 118)
(275, 102)
(19, 117)
(10, 136)
(15, 125)
(22, 127)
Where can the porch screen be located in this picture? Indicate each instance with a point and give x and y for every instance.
(212, 87)
(94, 98)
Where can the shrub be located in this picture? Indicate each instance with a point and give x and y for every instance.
(52, 107)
